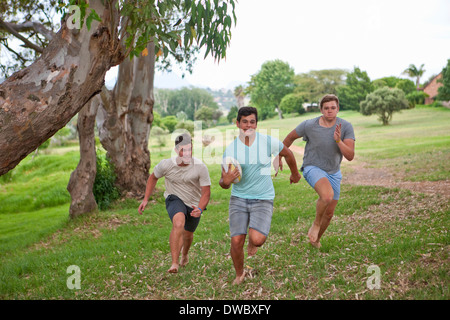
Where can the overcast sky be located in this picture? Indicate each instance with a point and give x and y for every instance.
(382, 37)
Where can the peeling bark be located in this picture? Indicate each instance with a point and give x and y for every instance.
(124, 119)
(39, 100)
(82, 179)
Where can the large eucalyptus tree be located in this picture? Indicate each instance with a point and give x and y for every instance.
(40, 99)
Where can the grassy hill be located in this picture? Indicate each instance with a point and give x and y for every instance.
(123, 255)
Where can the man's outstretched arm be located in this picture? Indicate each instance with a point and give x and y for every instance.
(290, 138)
(292, 163)
(151, 183)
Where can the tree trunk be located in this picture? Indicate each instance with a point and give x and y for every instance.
(124, 119)
(81, 181)
(280, 114)
(240, 101)
(39, 100)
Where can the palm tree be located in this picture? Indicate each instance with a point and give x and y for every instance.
(240, 96)
(413, 72)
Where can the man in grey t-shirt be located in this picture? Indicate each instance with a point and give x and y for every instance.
(328, 139)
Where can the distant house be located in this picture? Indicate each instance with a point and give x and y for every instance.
(432, 89)
(311, 106)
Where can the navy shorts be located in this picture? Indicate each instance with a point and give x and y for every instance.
(175, 205)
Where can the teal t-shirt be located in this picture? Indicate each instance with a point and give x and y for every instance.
(255, 161)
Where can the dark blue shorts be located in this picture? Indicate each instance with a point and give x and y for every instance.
(175, 205)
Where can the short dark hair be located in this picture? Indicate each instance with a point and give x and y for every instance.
(328, 98)
(182, 140)
(246, 111)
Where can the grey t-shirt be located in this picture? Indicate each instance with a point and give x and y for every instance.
(321, 149)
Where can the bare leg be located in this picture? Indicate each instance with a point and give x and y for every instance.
(325, 192)
(326, 219)
(237, 254)
(176, 240)
(255, 240)
(187, 241)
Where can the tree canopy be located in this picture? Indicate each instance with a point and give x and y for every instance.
(188, 100)
(444, 91)
(357, 86)
(270, 85)
(414, 72)
(179, 28)
(316, 83)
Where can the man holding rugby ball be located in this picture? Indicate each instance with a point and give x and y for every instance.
(251, 202)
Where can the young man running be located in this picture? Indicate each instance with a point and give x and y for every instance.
(251, 202)
(328, 138)
(187, 194)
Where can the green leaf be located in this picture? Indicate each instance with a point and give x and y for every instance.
(92, 16)
(202, 43)
(227, 22)
(208, 48)
(224, 8)
(173, 45)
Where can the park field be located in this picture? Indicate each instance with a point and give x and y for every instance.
(395, 234)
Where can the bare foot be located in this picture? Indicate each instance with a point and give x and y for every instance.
(313, 233)
(315, 244)
(239, 279)
(184, 261)
(251, 249)
(173, 268)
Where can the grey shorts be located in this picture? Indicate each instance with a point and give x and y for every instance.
(250, 213)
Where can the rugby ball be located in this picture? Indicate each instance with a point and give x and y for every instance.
(234, 164)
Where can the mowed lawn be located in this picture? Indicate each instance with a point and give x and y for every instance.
(122, 255)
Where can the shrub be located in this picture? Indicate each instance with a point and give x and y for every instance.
(292, 103)
(187, 125)
(169, 123)
(416, 97)
(232, 114)
(105, 191)
(384, 102)
(444, 91)
(435, 104)
(61, 137)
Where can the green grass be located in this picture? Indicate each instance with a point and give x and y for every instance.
(123, 255)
